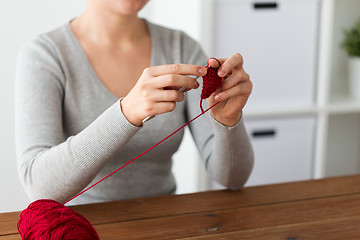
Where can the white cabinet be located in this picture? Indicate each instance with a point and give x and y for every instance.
(306, 78)
(279, 46)
(278, 41)
(283, 149)
(338, 134)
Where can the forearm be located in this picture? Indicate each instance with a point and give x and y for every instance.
(59, 172)
(231, 159)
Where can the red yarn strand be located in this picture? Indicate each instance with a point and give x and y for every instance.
(149, 149)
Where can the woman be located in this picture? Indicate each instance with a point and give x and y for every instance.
(83, 90)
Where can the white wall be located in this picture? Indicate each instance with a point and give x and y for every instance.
(21, 20)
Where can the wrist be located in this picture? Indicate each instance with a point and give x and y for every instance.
(129, 113)
(228, 121)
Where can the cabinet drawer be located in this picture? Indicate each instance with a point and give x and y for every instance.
(283, 149)
(278, 42)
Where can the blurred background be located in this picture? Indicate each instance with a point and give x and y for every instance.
(303, 116)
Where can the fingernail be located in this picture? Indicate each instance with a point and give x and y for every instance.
(202, 71)
(218, 98)
(221, 72)
(196, 84)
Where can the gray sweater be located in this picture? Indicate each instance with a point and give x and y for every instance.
(71, 132)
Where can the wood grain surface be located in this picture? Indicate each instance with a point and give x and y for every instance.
(316, 209)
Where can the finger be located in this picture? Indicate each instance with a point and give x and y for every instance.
(182, 89)
(179, 69)
(241, 89)
(234, 79)
(163, 107)
(170, 96)
(233, 62)
(167, 96)
(177, 82)
(216, 62)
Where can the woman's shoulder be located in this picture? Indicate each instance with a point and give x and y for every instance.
(52, 48)
(47, 43)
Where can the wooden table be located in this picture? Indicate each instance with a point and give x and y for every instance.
(317, 209)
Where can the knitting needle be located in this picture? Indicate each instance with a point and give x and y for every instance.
(182, 89)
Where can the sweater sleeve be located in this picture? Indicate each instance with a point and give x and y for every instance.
(226, 151)
(49, 165)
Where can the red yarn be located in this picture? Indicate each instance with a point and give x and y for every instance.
(149, 149)
(211, 82)
(49, 220)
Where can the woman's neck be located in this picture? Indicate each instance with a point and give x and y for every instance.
(109, 28)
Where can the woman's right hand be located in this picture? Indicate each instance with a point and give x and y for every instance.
(156, 91)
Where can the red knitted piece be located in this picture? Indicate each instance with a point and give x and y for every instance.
(211, 82)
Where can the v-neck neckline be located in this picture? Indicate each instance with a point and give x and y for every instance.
(91, 71)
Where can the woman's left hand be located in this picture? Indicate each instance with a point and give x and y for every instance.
(234, 91)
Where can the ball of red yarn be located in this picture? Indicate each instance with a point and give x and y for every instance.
(47, 219)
